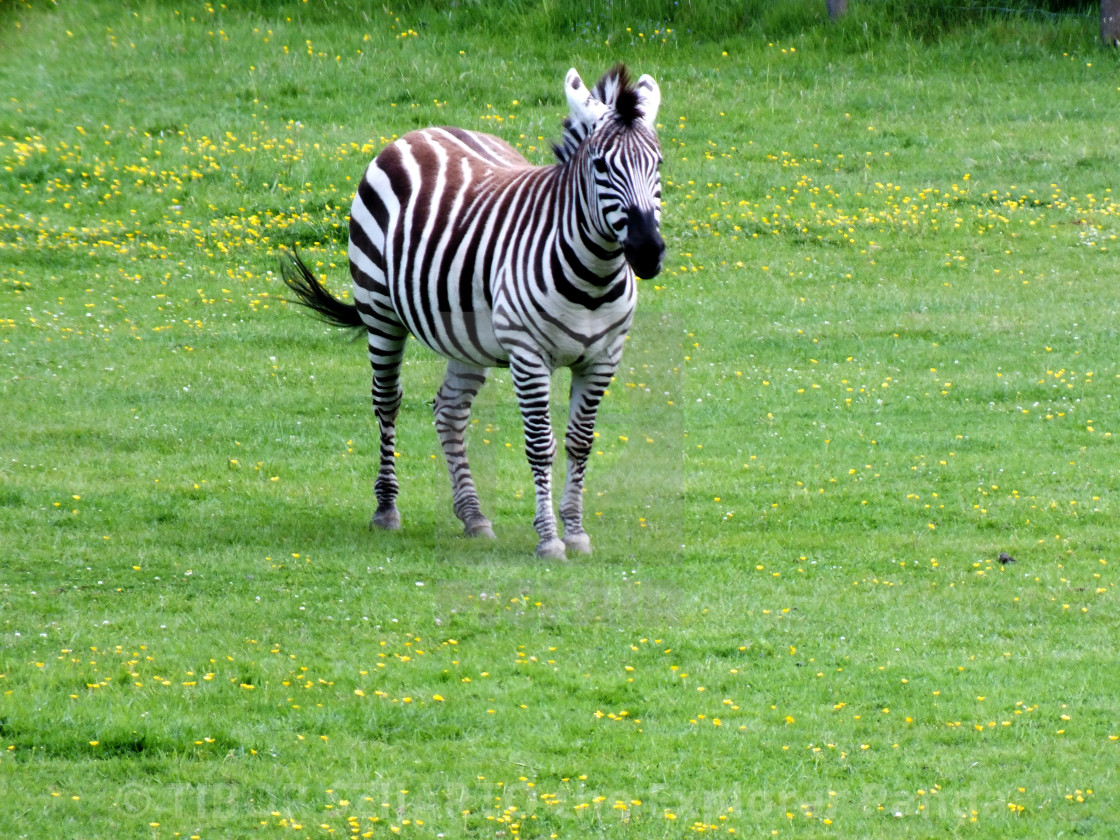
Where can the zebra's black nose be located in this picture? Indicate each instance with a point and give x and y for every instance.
(644, 248)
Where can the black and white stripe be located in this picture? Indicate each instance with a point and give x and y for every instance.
(490, 261)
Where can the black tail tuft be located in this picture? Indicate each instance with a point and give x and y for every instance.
(314, 295)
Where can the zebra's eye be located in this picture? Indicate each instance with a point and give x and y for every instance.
(600, 165)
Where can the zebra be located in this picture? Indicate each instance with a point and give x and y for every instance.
(456, 239)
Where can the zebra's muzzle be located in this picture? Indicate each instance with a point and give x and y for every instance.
(644, 248)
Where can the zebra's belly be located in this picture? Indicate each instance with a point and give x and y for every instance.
(454, 321)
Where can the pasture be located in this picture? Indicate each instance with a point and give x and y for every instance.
(883, 352)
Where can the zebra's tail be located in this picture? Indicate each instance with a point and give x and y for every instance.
(310, 292)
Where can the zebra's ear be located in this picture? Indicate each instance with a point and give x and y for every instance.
(649, 99)
(585, 110)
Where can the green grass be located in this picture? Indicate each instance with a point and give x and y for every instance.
(883, 351)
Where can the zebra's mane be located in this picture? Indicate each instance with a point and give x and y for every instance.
(613, 90)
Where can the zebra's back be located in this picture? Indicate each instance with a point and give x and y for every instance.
(429, 233)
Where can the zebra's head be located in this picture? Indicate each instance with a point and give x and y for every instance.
(611, 133)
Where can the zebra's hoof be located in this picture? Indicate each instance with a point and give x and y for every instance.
(479, 528)
(552, 549)
(387, 519)
(579, 543)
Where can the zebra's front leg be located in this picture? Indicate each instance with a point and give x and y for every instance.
(588, 386)
(452, 413)
(531, 383)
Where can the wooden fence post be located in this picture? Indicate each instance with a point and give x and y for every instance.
(1110, 22)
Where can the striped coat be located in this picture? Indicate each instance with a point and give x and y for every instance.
(490, 261)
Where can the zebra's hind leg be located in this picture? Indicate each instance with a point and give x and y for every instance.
(452, 409)
(588, 386)
(386, 348)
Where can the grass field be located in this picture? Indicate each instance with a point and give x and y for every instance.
(884, 351)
